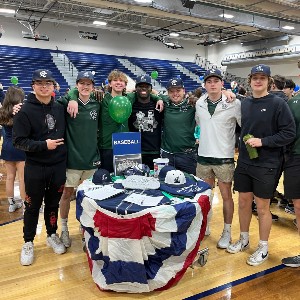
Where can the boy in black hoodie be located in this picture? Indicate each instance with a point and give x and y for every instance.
(270, 122)
(39, 130)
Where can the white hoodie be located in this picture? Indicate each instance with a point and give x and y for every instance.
(217, 135)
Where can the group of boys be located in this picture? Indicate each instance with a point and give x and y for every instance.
(273, 127)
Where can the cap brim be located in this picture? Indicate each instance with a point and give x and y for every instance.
(213, 75)
(143, 82)
(175, 86)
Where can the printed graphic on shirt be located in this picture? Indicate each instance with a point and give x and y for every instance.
(145, 123)
(50, 122)
(93, 114)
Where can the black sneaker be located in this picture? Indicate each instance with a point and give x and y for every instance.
(293, 261)
(274, 217)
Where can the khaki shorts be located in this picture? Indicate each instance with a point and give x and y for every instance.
(74, 177)
(223, 173)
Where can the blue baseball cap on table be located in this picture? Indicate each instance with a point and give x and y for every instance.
(101, 176)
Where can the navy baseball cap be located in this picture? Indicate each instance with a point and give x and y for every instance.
(213, 73)
(175, 82)
(264, 69)
(42, 74)
(143, 79)
(101, 176)
(85, 75)
(163, 172)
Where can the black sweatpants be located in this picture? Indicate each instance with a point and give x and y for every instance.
(42, 183)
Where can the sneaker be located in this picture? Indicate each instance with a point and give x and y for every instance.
(295, 222)
(27, 254)
(274, 217)
(224, 240)
(254, 208)
(293, 261)
(13, 207)
(65, 238)
(290, 209)
(258, 257)
(56, 244)
(238, 246)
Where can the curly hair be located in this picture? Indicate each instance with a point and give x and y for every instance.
(13, 96)
(114, 75)
(270, 81)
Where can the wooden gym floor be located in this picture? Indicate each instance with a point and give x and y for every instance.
(225, 276)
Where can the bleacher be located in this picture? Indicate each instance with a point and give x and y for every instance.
(100, 63)
(22, 61)
(165, 70)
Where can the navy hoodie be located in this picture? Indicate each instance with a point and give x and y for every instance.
(270, 119)
(33, 125)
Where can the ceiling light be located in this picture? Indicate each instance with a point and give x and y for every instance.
(287, 27)
(143, 1)
(175, 34)
(226, 16)
(7, 11)
(101, 23)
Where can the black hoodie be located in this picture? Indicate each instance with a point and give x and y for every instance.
(33, 125)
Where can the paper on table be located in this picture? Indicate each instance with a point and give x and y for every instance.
(102, 193)
(143, 200)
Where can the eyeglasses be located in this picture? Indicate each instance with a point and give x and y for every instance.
(42, 83)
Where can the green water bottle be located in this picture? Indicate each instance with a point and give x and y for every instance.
(251, 151)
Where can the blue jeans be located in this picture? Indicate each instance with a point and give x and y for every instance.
(184, 161)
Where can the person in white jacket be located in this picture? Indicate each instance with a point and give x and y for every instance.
(217, 119)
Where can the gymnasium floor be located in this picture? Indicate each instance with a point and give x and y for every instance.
(225, 276)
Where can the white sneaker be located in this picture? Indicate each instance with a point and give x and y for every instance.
(14, 207)
(224, 240)
(240, 245)
(65, 238)
(27, 254)
(56, 244)
(259, 256)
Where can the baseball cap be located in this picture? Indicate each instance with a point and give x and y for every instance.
(213, 73)
(175, 82)
(101, 176)
(85, 75)
(175, 178)
(143, 79)
(163, 172)
(42, 74)
(261, 69)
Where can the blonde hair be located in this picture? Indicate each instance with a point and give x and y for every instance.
(116, 74)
